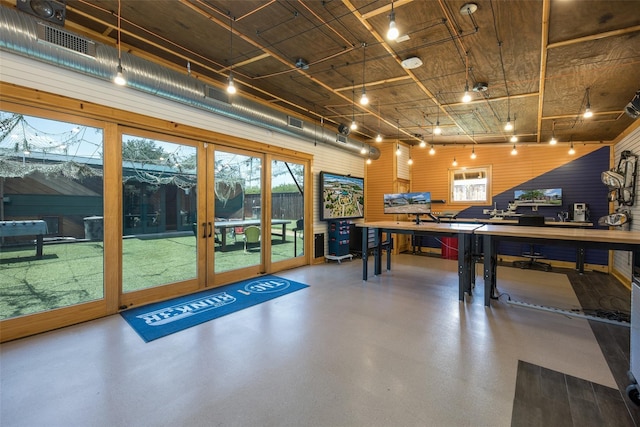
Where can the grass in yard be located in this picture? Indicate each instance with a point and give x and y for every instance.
(72, 272)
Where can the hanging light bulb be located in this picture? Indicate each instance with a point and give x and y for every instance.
(364, 100)
(508, 126)
(473, 153)
(231, 87)
(466, 97)
(553, 140)
(514, 150)
(438, 129)
(368, 160)
(393, 32)
(432, 150)
(571, 150)
(363, 150)
(119, 78)
(379, 138)
(422, 143)
(398, 152)
(587, 112)
(454, 163)
(514, 138)
(354, 125)
(410, 161)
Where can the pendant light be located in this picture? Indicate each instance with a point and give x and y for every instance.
(393, 32)
(454, 163)
(119, 78)
(514, 150)
(231, 87)
(514, 138)
(553, 140)
(432, 150)
(379, 137)
(466, 97)
(473, 153)
(571, 150)
(363, 99)
(587, 112)
(354, 125)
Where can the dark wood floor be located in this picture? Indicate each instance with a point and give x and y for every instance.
(604, 295)
(547, 398)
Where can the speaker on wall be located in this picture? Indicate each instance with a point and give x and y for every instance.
(54, 11)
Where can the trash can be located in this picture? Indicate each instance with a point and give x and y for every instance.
(449, 247)
(93, 228)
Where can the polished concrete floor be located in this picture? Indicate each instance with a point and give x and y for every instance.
(396, 350)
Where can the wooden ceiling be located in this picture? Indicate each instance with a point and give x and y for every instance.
(537, 59)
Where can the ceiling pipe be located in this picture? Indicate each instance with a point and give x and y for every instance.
(19, 33)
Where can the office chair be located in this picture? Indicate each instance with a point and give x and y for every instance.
(532, 256)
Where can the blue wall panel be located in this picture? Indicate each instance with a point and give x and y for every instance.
(580, 182)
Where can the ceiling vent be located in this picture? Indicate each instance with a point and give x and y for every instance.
(341, 138)
(411, 63)
(65, 39)
(217, 94)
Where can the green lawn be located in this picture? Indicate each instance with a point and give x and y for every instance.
(72, 272)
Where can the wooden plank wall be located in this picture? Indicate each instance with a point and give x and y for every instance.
(431, 173)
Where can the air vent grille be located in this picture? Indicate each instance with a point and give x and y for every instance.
(341, 138)
(66, 40)
(217, 94)
(294, 122)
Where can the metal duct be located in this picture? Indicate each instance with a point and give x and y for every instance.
(25, 35)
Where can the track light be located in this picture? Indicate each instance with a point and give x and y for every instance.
(514, 150)
(473, 153)
(587, 112)
(393, 32)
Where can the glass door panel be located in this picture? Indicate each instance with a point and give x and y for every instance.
(237, 210)
(51, 215)
(287, 210)
(159, 213)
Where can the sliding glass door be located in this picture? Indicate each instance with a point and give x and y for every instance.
(51, 214)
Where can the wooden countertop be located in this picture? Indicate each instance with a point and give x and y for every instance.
(552, 233)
